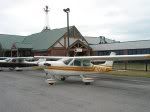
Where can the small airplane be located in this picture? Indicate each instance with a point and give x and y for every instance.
(3, 59)
(62, 67)
(16, 63)
(82, 66)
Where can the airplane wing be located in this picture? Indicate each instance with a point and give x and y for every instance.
(117, 57)
(105, 58)
(51, 57)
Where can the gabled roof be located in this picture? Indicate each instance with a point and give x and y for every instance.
(6, 41)
(78, 41)
(43, 40)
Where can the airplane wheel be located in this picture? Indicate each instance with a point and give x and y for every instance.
(11, 68)
(51, 83)
(46, 74)
(87, 83)
(1, 69)
(63, 78)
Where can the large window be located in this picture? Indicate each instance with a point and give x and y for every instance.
(119, 52)
(102, 53)
(138, 51)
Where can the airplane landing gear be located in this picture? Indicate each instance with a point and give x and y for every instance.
(1, 69)
(63, 78)
(87, 83)
(86, 80)
(51, 81)
(12, 68)
(50, 78)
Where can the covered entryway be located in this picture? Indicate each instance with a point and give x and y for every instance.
(78, 48)
(21, 50)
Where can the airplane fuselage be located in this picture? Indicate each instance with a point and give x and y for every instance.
(77, 70)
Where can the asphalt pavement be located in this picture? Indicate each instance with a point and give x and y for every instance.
(27, 91)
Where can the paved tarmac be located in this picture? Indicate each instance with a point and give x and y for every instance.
(26, 91)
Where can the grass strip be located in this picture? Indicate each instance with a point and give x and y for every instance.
(130, 73)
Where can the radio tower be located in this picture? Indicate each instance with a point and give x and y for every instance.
(46, 10)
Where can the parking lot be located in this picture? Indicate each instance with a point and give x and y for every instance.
(26, 91)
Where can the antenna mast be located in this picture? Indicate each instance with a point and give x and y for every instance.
(46, 10)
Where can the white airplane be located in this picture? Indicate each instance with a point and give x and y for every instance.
(82, 66)
(3, 59)
(16, 63)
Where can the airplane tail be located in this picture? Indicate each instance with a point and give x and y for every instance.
(109, 63)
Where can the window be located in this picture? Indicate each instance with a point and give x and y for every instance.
(77, 62)
(86, 63)
(67, 61)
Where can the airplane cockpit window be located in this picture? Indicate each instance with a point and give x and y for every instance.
(86, 63)
(8, 60)
(77, 62)
(20, 60)
(14, 60)
(67, 61)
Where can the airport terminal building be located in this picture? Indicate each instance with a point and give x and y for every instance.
(48, 42)
(54, 42)
(122, 48)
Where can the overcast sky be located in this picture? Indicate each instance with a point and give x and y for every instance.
(123, 20)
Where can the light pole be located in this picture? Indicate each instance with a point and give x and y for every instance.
(46, 9)
(68, 33)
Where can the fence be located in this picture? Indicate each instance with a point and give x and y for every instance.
(132, 65)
